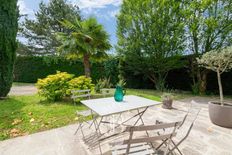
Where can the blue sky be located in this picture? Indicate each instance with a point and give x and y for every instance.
(104, 10)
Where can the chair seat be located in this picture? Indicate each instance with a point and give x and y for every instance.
(135, 149)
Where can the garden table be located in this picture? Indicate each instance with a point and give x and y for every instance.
(108, 106)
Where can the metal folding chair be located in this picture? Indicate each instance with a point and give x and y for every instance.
(184, 118)
(81, 115)
(143, 145)
(175, 145)
(105, 92)
(78, 94)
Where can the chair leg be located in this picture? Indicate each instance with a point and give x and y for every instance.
(164, 142)
(167, 149)
(77, 128)
(119, 117)
(82, 133)
(80, 127)
(91, 124)
(175, 147)
(99, 144)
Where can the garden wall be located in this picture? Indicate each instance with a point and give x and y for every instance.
(29, 69)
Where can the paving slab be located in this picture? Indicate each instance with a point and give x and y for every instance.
(60, 141)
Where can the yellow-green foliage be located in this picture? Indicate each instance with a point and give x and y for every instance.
(80, 83)
(54, 87)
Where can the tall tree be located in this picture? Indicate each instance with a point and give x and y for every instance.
(40, 32)
(8, 44)
(23, 50)
(85, 39)
(150, 37)
(208, 27)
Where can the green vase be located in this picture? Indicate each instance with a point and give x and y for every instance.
(119, 93)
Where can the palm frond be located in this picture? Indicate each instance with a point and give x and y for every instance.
(84, 37)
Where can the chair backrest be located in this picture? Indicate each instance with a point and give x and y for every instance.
(80, 93)
(149, 139)
(184, 118)
(188, 131)
(191, 125)
(105, 91)
(186, 115)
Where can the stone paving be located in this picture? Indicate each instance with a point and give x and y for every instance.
(204, 139)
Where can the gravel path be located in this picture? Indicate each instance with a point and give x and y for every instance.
(23, 90)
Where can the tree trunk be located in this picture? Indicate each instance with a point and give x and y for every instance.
(86, 65)
(202, 79)
(220, 86)
(203, 84)
(153, 79)
(159, 81)
(199, 76)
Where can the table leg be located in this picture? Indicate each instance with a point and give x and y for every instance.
(94, 121)
(140, 116)
(131, 118)
(98, 125)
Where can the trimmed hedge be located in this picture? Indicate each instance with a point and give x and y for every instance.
(179, 79)
(30, 69)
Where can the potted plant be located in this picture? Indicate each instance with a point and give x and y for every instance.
(103, 84)
(167, 100)
(219, 61)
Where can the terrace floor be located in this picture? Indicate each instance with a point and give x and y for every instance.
(205, 138)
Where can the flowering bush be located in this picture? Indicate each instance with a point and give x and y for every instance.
(54, 87)
(80, 83)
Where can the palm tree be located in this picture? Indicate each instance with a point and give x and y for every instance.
(86, 39)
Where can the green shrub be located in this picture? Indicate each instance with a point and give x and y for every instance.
(80, 83)
(54, 87)
(121, 83)
(195, 88)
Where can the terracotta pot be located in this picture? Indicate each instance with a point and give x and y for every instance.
(220, 115)
(167, 104)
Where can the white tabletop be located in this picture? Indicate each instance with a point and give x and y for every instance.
(108, 106)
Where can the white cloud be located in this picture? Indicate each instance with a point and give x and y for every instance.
(90, 11)
(107, 15)
(90, 4)
(23, 9)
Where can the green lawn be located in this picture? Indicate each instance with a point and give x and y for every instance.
(21, 115)
(156, 95)
(22, 84)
